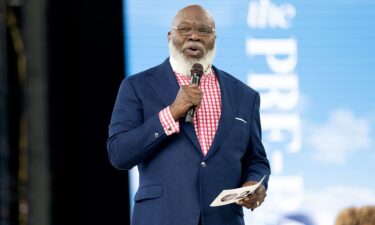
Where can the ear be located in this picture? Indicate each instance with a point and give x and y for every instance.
(169, 36)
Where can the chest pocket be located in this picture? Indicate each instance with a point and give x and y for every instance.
(240, 131)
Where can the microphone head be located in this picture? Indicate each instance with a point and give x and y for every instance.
(197, 69)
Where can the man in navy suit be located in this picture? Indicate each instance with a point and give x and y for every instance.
(184, 166)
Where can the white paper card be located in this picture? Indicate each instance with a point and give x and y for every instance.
(234, 195)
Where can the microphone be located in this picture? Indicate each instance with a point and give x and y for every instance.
(196, 73)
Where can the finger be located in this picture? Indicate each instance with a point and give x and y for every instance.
(259, 199)
(254, 205)
(261, 193)
(261, 189)
(255, 198)
(249, 205)
(196, 92)
(195, 102)
(257, 204)
(193, 86)
(239, 203)
(246, 202)
(184, 87)
(252, 197)
(262, 196)
(196, 98)
(243, 203)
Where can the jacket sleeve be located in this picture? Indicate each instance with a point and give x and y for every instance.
(256, 164)
(131, 138)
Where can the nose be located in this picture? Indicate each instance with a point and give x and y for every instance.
(194, 36)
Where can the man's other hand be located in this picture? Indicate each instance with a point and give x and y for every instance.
(254, 200)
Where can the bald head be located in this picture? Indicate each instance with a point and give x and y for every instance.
(193, 14)
(192, 36)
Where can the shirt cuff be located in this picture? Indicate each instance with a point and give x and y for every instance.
(168, 123)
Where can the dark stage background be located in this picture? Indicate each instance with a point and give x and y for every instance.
(54, 121)
(86, 67)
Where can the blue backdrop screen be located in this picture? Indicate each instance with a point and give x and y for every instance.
(312, 62)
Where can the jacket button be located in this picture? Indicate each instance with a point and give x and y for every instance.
(203, 164)
(156, 135)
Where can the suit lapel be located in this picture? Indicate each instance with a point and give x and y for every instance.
(189, 130)
(165, 85)
(228, 104)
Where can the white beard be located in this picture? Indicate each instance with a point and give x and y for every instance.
(183, 65)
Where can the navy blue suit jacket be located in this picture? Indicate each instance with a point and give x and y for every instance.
(175, 187)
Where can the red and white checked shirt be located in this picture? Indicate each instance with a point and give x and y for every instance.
(206, 118)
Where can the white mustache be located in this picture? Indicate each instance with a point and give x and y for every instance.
(196, 45)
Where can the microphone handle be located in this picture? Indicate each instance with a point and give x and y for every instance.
(191, 111)
(190, 114)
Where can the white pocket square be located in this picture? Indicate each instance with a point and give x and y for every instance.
(240, 119)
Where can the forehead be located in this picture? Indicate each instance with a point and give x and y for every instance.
(193, 15)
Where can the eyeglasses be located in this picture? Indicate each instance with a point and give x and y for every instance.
(187, 30)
